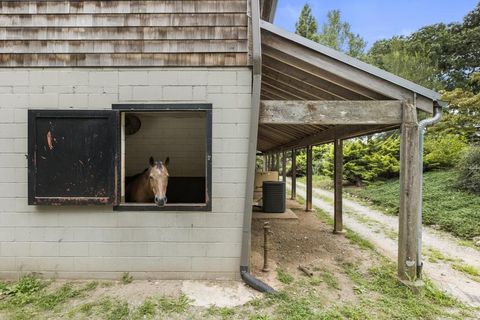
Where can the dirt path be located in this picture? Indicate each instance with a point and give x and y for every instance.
(442, 251)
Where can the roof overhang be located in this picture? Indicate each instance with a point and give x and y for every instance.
(297, 69)
(268, 9)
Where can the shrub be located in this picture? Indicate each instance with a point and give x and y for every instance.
(444, 151)
(469, 171)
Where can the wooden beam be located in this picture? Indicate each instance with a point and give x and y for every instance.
(338, 184)
(317, 77)
(342, 132)
(409, 198)
(331, 112)
(337, 71)
(293, 194)
(309, 187)
(284, 166)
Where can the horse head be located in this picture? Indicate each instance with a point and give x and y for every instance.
(158, 180)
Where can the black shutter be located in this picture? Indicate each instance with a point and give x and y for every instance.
(73, 157)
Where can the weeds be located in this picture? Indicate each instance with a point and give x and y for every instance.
(359, 241)
(223, 312)
(329, 279)
(127, 278)
(174, 305)
(284, 277)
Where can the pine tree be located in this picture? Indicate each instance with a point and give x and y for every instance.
(307, 24)
(336, 34)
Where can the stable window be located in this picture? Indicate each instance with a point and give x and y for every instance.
(91, 157)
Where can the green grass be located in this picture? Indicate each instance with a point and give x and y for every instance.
(126, 278)
(174, 305)
(435, 255)
(321, 182)
(451, 209)
(467, 269)
(223, 312)
(284, 277)
(329, 279)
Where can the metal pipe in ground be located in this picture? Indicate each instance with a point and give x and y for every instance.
(266, 232)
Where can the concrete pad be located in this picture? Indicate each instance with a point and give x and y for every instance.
(218, 293)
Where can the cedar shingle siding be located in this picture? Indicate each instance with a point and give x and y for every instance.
(123, 33)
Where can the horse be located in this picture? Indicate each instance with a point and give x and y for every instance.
(149, 185)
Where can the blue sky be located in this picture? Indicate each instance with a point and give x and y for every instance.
(378, 19)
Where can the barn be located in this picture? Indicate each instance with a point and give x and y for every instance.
(90, 90)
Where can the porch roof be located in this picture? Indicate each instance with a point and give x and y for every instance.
(295, 68)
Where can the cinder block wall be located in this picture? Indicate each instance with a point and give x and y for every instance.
(97, 242)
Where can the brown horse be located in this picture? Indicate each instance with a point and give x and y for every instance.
(150, 185)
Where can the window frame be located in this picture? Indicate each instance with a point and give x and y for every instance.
(199, 107)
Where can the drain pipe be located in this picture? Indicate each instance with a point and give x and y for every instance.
(422, 125)
(252, 152)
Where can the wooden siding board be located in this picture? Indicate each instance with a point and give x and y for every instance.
(126, 20)
(124, 33)
(123, 59)
(121, 46)
(120, 7)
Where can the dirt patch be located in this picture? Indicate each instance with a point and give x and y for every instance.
(308, 242)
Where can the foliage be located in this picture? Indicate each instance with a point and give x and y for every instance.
(463, 114)
(306, 25)
(443, 151)
(469, 171)
(366, 159)
(176, 305)
(337, 34)
(396, 56)
(444, 205)
(284, 277)
(447, 54)
(127, 278)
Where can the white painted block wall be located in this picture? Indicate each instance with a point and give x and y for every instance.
(97, 242)
(181, 136)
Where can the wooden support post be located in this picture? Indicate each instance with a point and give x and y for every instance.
(265, 162)
(293, 195)
(309, 186)
(338, 184)
(409, 197)
(277, 162)
(284, 166)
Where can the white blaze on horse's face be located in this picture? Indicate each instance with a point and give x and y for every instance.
(158, 180)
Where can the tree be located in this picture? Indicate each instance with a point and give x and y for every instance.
(307, 24)
(396, 56)
(463, 114)
(336, 34)
(447, 55)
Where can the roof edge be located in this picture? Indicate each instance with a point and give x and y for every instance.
(269, 8)
(344, 58)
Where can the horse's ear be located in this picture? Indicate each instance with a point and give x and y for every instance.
(151, 161)
(166, 161)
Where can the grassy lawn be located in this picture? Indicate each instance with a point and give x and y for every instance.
(378, 296)
(445, 206)
(455, 211)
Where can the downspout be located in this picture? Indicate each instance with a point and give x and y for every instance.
(252, 153)
(422, 125)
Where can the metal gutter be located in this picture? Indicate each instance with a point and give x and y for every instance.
(422, 125)
(346, 59)
(252, 153)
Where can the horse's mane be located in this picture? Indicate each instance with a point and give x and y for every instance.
(130, 179)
